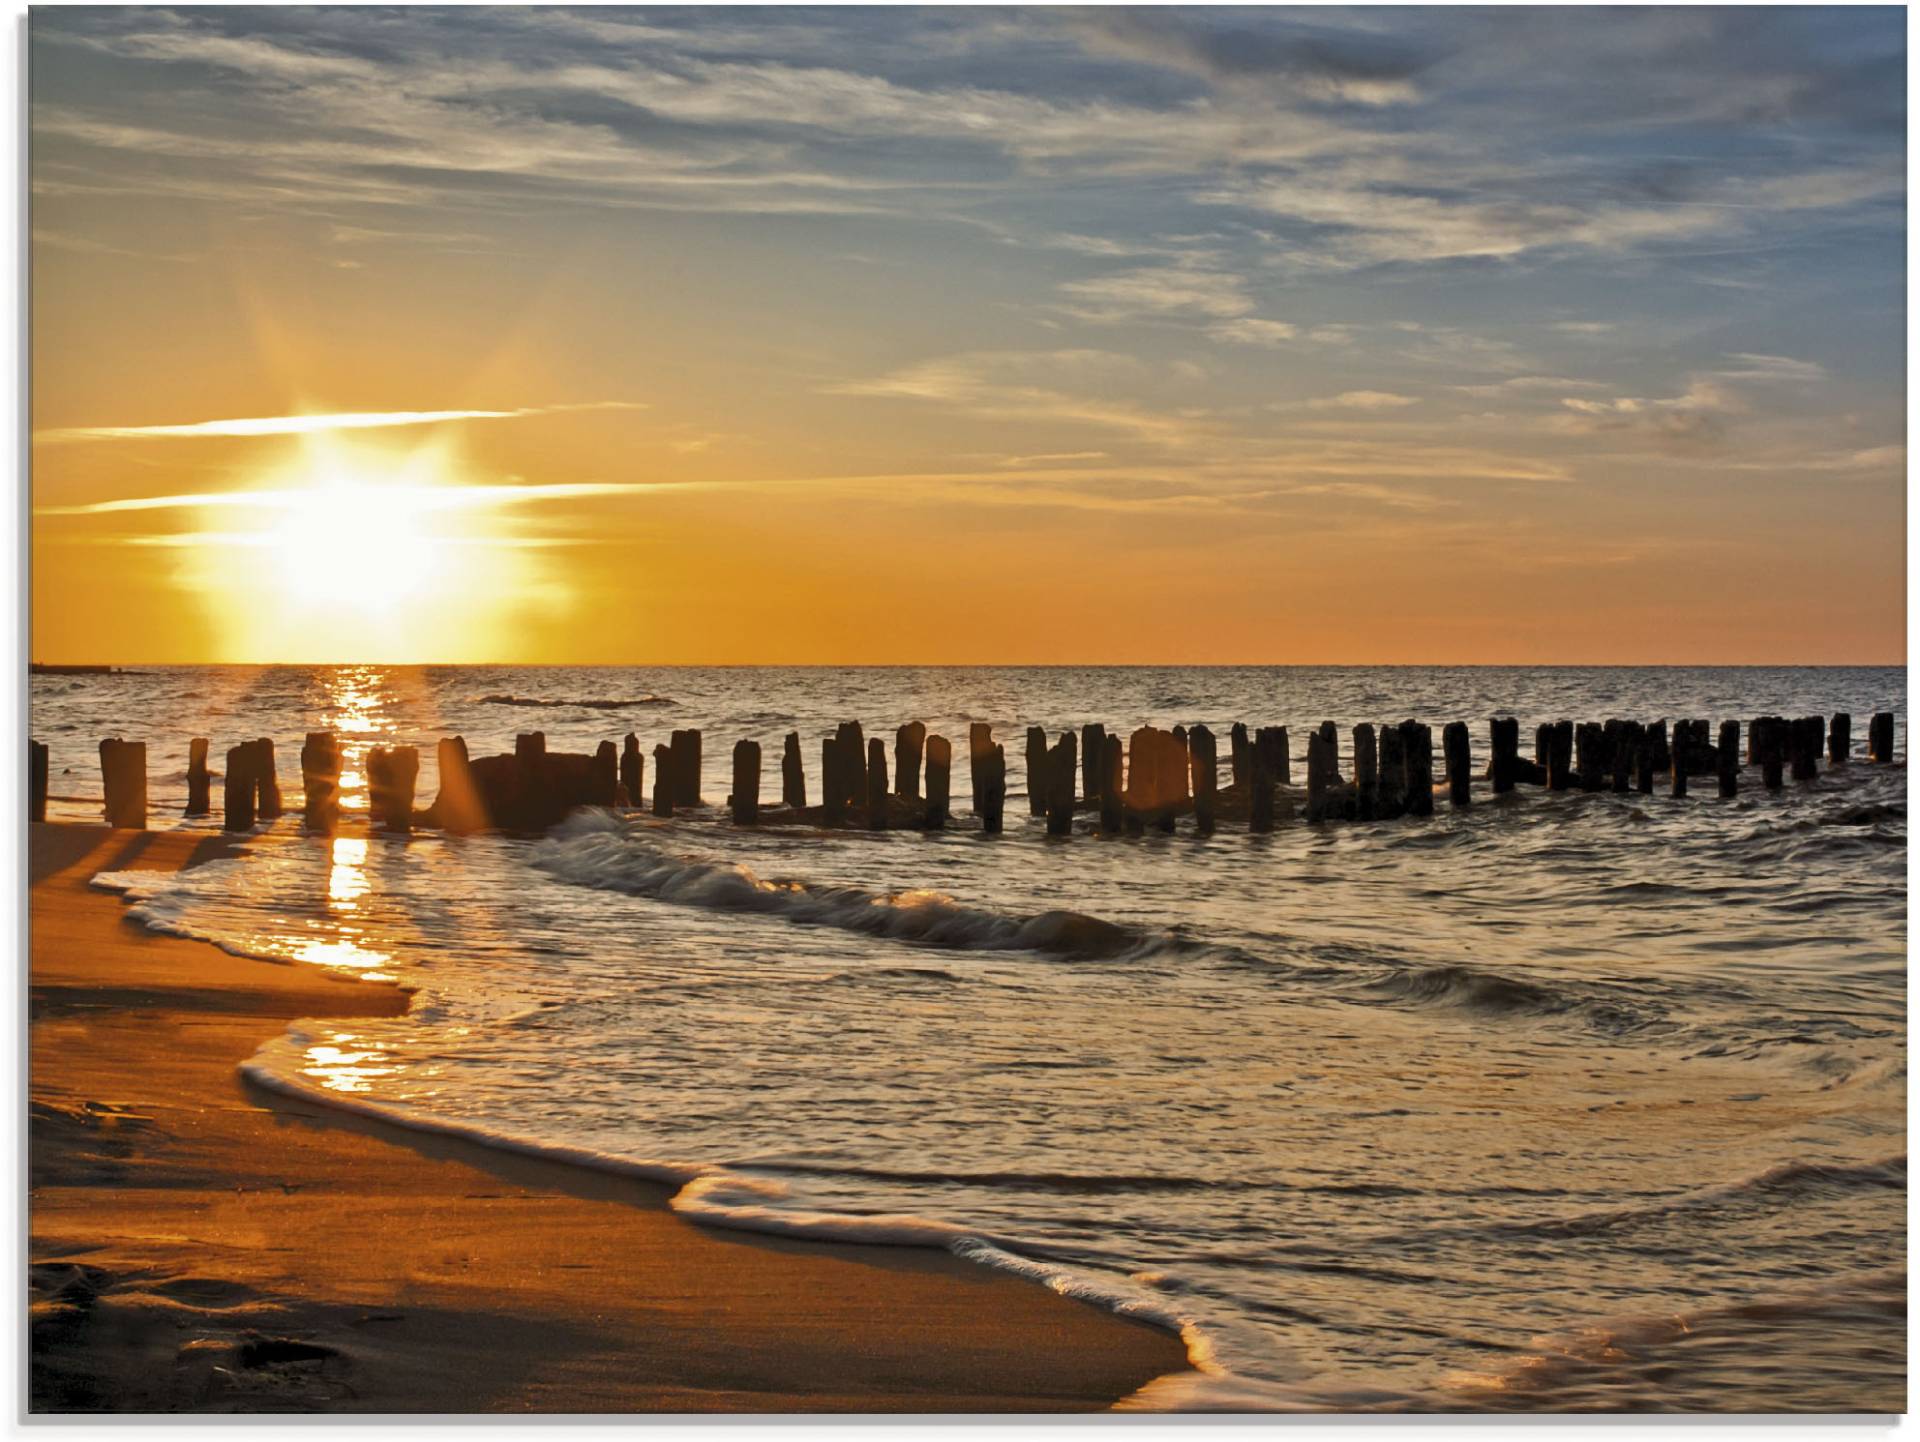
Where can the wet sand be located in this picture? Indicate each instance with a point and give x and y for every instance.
(197, 1243)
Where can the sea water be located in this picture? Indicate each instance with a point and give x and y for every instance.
(1559, 1101)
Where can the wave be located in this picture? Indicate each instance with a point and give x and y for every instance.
(596, 849)
(591, 704)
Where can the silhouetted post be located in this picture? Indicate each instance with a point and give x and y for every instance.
(632, 769)
(793, 777)
(1366, 771)
(663, 786)
(1727, 760)
(199, 779)
(1806, 736)
(1590, 755)
(1204, 763)
(1560, 756)
(939, 782)
(850, 766)
(1061, 764)
(1880, 738)
(270, 805)
(530, 748)
(1093, 755)
(1237, 738)
(1768, 740)
(876, 797)
(1259, 764)
(1416, 743)
(391, 774)
(1113, 791)
(1677, 772)
(1839, 739)
(1393, 789)
(1504, 735)
(1323, 774)
(979, 743)
(1662, 750)
(237, 789)
(1036, 771)
(686, 767)
(37, 765)
(1458, 747)
(603, 776)
(123, 777)
(458, 807)
(1543, 749)
(1641, 739)
(746, 783)
(909, 742)
(1619, 754)
(990, 795)
(320, 781)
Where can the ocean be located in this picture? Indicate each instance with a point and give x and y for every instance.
(1556, 1102)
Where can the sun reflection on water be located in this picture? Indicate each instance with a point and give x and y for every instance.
(345, 1063)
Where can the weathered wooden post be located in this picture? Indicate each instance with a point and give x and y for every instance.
(1061, 763)
(663, 782)
(603, 787)
(1504, 736)
(1727, 759)
(1618, 753)
(237, 789)
(530, 749)
(199, 779)
(1560, 756)
(745, 800)
(1590, 755)
(1880, 738)
(990, 794)
(1366, 771)
(459, 806)
(632, 769)
(979, 743)
(1323, 774)
(939, 782)
(391, 774)
(320, 781)
(686, 767)
(1766, 736)
(37, 766)
(1804, 739)
(1036, 771)
(1170, 776)
(1662, 749)
(1839, 739)
(793, 777)
(1259, 764)
(876, 797)
(1237, 739)
(1417, 743)
(1113, 791)
(1458, 747)
(850, 766)
(1093, 756)
(1390, 785)
(1543, 749)
(1640, 737)
(909, 743)
(270, 805)
(1677, 773)
(1204, 761)
(123, 777)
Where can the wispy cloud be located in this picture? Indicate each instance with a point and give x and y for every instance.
(1362, 401)
(419, 498)
(310, 424)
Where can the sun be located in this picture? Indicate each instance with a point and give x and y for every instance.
(357, 531)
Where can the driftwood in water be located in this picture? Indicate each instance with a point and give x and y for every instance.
(123, 776)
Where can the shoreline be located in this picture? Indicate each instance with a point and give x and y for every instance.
(200, 1242)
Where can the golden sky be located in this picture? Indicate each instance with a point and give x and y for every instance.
(968, 336)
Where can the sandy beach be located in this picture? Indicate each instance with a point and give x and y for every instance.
(198, 1244)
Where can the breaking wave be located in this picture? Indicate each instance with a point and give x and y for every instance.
(591, 704)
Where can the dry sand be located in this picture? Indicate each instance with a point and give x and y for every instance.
(197, 1243)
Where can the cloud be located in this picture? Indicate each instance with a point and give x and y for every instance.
(1362, 401)
(1252, 330)
(1155, 291)
(421, 498)
(1771, 368)
(309, 424)
(1695, 416)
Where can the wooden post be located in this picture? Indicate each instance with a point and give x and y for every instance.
(1677, 764)
(458, 807)
(746, 783)
(1237, 738)
(1768, 740)
(1259, 771)
(1366, 771)
(199, 779)
(1662, 749)
(979, 746)
(391, 774)
(1808, 734)
(793, 777)
(632, 770)
(530, 748)
(1036, 771)
(686, 768)
(990, 794)
(37, 765)
(123, 777)
(850, 767)
(663, 786)
(1641, 739)
(1543, 748)
(876, 797)
(909, 742)
(1061, 763)
(1880, 738)
(1416, 742)
(1458, 747)
(1560, 756)
(939, 782)
(1619, 755)
(270, 805)
(1391, 790)
(605, 787)
(237, 789)
(1323, 774)
(1504, 734)
(1727, 760)
(320, 781)
(1204, 762)
(1113, 791)
(1093, 756)
(1839, 739)
(1590, 755)
(1281, 759)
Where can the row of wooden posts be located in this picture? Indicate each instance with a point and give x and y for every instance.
(1155, 777)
